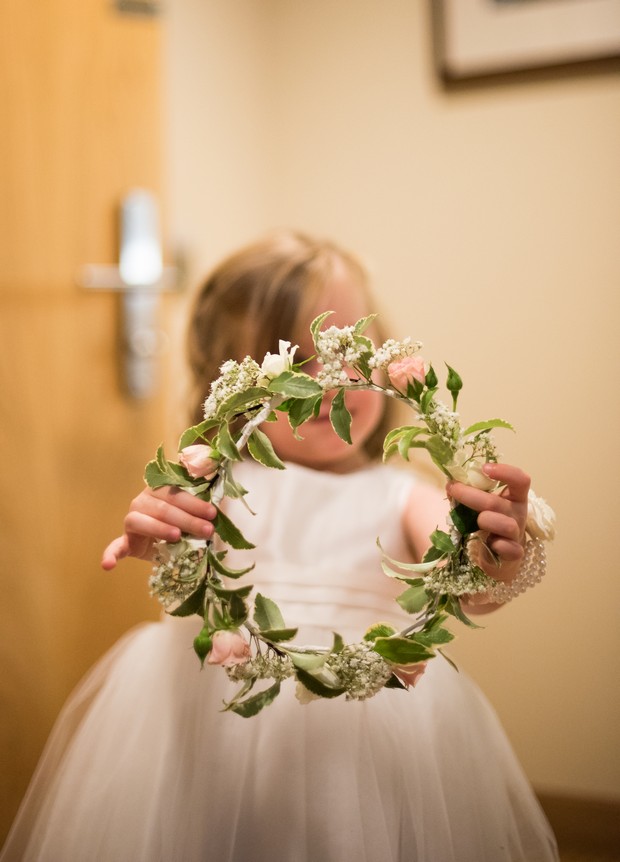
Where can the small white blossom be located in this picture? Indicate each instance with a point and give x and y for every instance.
(338, 349)
(392, 350)
(234, 377)
(457, 579)
(361, 671)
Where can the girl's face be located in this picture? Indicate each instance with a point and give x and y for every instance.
(321, 448)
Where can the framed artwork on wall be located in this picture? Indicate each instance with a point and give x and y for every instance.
(484, 37)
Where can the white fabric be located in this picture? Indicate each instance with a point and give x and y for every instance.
(144, 767)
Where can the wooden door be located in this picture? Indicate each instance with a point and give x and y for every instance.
(81, 115)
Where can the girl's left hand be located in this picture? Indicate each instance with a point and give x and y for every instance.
(502, 517)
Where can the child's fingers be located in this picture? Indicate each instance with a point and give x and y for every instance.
(115, 551)
(188, 502)
(498, 524)
(477, 499)
(517, 481)
(151, 515)
(508, 551)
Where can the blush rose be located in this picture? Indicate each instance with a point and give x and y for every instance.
(404, 371)
(198, 461)
(409, 674)
(229, 648)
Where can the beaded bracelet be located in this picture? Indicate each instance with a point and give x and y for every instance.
(532, 570)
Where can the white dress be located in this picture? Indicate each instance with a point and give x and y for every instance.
(144, 767)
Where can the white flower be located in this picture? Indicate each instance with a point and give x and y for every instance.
(540, 518)
(275, 364)
(468, 470)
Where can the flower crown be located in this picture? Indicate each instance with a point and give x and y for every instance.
(191, 576)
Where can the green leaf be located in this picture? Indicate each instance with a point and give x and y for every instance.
(317, 323)
(277, 635)
(417, 568)
(407, 567)
(442, 541)
(196, 432)
(439, 450)
(340, 417)
(260, 448)
(232, 488)
(406, 441)
(226, 444)
(306, 661)
(230, 534)
(464, 519)
(453, 606)
(253, 705)
(338, 644)
(425, 400)
(267, 614)
(487, 425)
(317, 686)
(216, 562)
(413, 599)
(193, 604)
(379, 630)
(433, 555)
(155, 477)
(237, 609)
(224, 593)
(399, 650)
(448, 659)
(363, 323)
(437, 635)
(295, 384)
(240, 402)
(161, 472)
(301, 409)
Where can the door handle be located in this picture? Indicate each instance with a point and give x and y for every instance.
(140, 278)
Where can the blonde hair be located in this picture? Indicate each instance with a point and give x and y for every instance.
(260, 294)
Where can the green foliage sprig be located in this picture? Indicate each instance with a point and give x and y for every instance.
(192, 576)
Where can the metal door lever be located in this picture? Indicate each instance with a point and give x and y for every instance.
(140, 277)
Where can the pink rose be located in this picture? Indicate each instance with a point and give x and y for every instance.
(229, 648)
(409, 674)
(198, 462)
(405, 371)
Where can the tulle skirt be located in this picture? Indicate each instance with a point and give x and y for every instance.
(143, 766)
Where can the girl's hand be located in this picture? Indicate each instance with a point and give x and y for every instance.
(502, 517)
(165, 514)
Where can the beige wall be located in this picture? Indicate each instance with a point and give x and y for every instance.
(490, 219)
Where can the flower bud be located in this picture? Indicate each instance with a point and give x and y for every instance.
(202, 644)
(198, 461)
(229, 648)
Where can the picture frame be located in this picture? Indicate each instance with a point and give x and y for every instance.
(485, 37)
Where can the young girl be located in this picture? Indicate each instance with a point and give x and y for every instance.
(145, 767)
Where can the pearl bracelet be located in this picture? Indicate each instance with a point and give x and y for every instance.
(531, 572)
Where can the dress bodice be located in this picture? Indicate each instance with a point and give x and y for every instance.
(315, 535)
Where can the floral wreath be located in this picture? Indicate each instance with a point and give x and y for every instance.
(191, 576)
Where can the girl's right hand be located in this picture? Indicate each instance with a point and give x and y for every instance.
(165, 514)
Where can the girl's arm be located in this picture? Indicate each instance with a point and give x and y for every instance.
(502, 518)
(155, 515)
